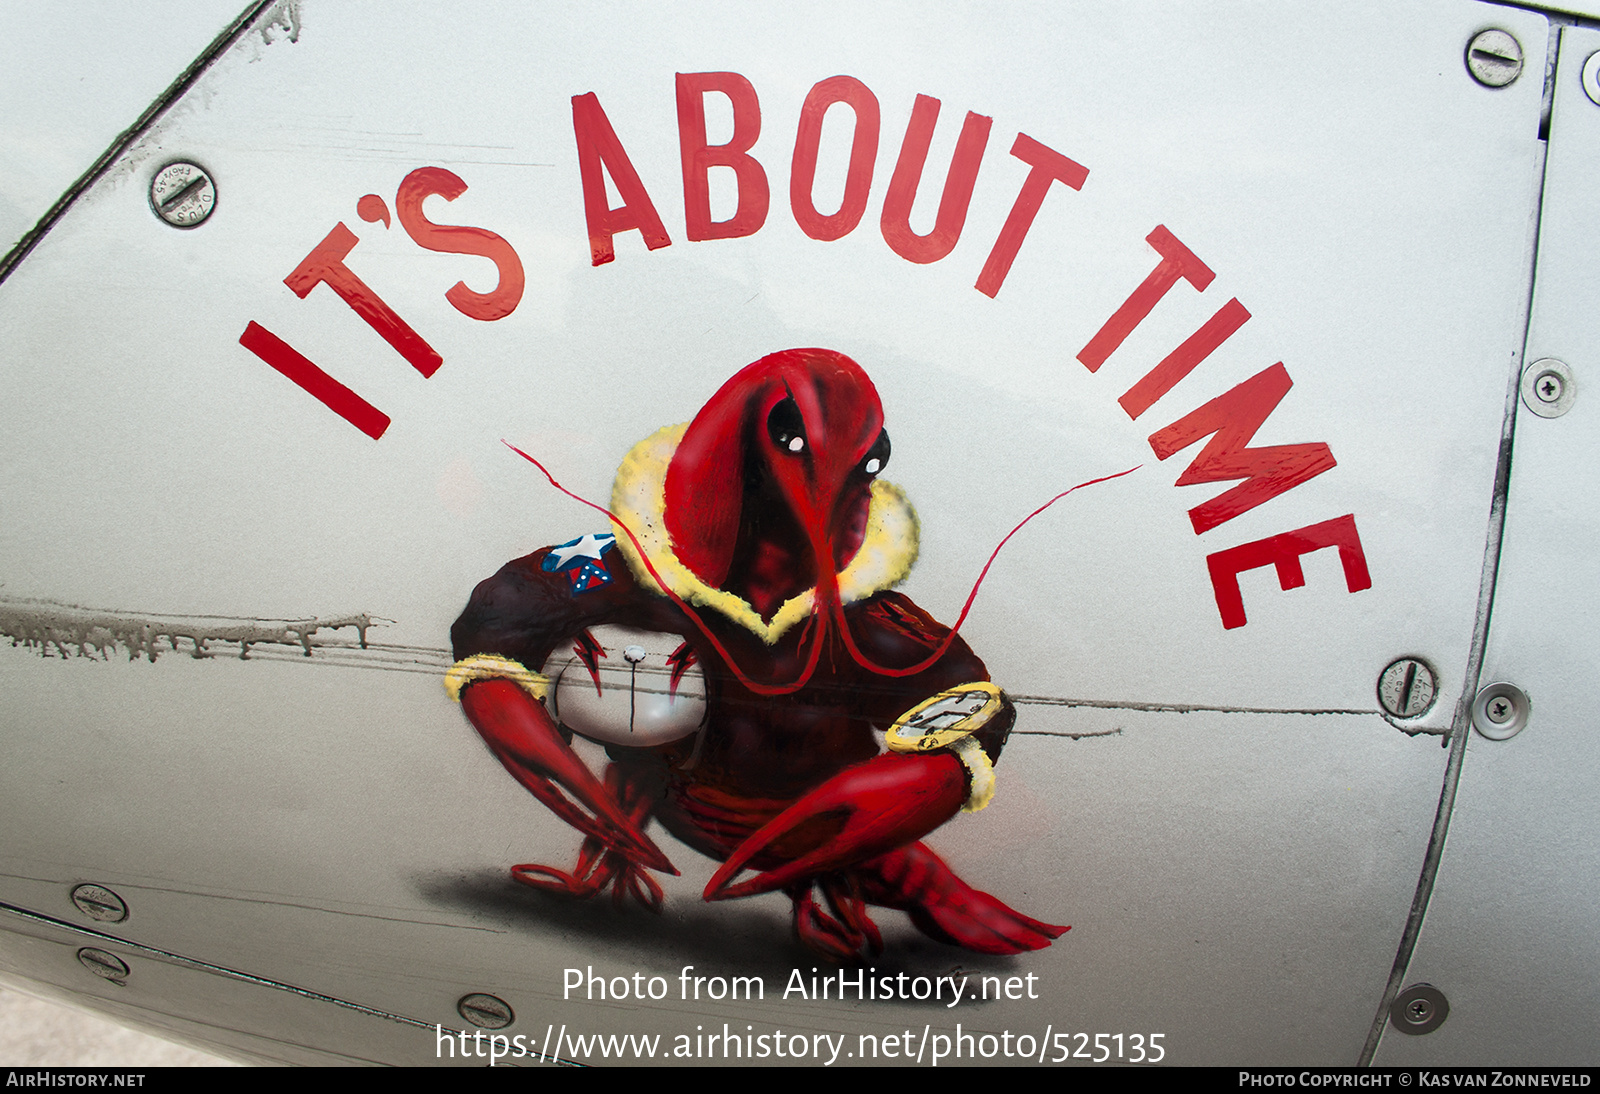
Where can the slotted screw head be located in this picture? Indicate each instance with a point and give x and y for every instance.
(101, 963)
(182, 194)
(1407, 687)
(485, 1011)
(98, 902)
(1494, 58)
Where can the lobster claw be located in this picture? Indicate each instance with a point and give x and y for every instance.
(523, 737)
(861, 813)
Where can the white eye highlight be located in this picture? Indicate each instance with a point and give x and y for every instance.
(874, 466)
(796, 443)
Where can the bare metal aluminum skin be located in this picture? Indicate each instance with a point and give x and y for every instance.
(256, 429)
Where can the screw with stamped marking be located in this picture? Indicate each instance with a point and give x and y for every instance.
(1407, 687)
(1494, 58)
(98, 902)
(485, 1011)
(101, 963)
(182, 194)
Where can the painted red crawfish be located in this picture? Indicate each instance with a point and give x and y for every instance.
(751, 565)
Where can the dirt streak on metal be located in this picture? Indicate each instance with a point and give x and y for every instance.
(56, 629)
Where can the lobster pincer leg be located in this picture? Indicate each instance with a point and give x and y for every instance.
(859, 814)
(598, 866)
(524, 738)
(942, 906)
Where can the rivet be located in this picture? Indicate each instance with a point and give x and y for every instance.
(98, 902)
(485, 1011)
(182, 194)
(1494, 58)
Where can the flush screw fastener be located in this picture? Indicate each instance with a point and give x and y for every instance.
(99, 903)
(103, 964)
(1406, 689)
(1500, 711)
(1548, 386)
(1591, 78)
(485, 1011)
(1421, 1008)
(183, 195)
(1494, 58)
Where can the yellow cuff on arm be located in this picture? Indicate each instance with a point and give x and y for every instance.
(487, 666)
(948, 720)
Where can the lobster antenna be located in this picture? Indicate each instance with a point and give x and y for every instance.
(944, 646)
(753, 685)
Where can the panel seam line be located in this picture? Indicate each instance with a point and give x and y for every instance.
(230, 34)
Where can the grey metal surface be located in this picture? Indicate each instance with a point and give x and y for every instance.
(1510, 932)
(75, 77)
(1228, 822)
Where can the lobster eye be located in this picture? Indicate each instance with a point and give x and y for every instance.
(878, 455)
(786, 427)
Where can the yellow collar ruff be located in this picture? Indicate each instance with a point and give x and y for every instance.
(888, 550)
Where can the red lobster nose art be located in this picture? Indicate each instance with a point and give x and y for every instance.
(759, 529)
(768, 493)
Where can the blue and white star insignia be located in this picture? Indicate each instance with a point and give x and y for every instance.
(582, 561)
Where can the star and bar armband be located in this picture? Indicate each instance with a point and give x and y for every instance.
(950, 720)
